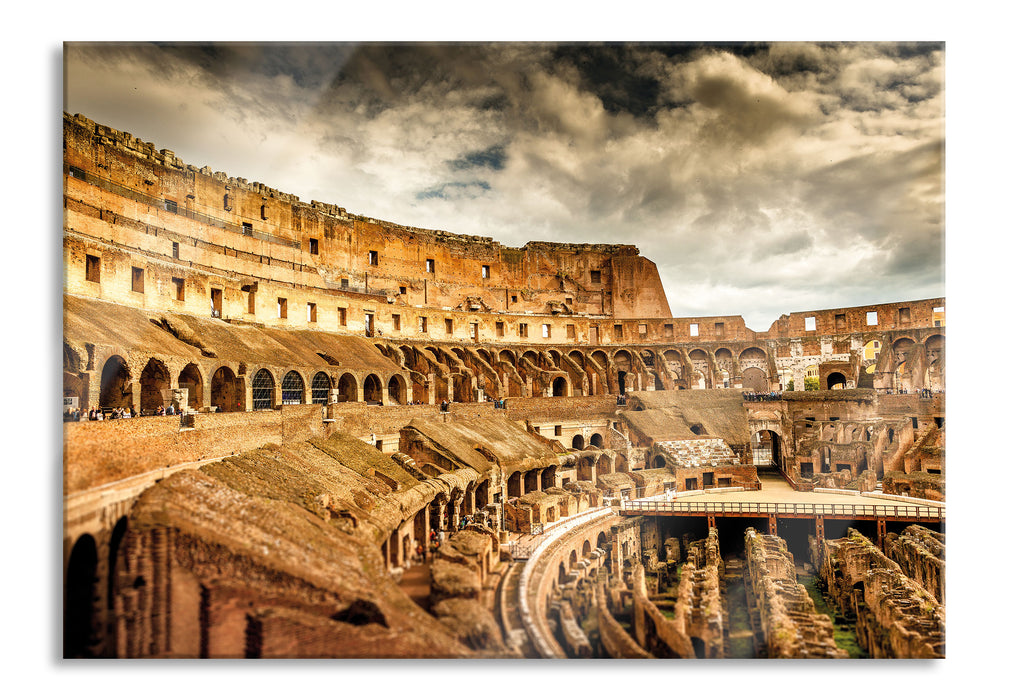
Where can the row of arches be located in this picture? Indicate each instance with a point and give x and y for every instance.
(226, 389)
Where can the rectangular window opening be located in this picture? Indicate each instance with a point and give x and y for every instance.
(618, 332)
(172, 207)
(246, 228)
(571, 331)
(546, 330)
(810, 323)
(93, 269)
(422, 324)
(904, 315)
(138, 280)
(643, 330)
(216, 305)
(312, 318)
(523, 330)
(448, 326)
(871, 318)
(373, 257)
(474, 331)
(429, 265)
(695, 329)
(557, 431)
(344, 283)
(499, 329)
(180, 288)
(313, 246)
(719, 329)
(281, 307)
(252, 302)
(485, 272)
(342, 313)
(395, 322)
(175, 250)
(595, 276)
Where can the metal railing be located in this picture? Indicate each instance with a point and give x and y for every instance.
(757, 508)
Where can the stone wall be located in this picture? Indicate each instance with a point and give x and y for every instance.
(790, 627)
(896, 617)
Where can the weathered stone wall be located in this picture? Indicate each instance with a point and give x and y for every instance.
(896, 617)
(789, 624)
(96, 453)
(921, 554)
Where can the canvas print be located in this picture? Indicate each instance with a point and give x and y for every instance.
(504, 350)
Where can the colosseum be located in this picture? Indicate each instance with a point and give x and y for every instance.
(291, 431)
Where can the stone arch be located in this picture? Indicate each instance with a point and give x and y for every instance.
(935, 354)
(190, 378)
(372, 389)
(586, 548)
(548, 478)
(292, 389)
(346, 389)
(559, 386)
(621, 464)
(836, 380)
(81, 612)
(578, 442)
(321, 386)
(596, 440)
(397, 389)
(601, 540)
(699, 361)
(263, 389)
(572, 559)
(658, 462)
(155, 384)
(116, 385)
(766, 444)
(226, 390)
(515, 484)
(604, 464)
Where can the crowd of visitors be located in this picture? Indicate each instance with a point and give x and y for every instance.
(761, 395)
(98, 413)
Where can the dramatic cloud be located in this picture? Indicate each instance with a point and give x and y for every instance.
(761, 178)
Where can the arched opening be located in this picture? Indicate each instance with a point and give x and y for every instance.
(658, 462)
(699, 361)
(397, 390)
(530, 480)
(81, 619)
(191, 379)
(601, 540)
(596, 440)
(560, 387)
(117, 390)
(515, 485)
(482, 494)
(836, 380)
(603, 465)
(155, 387)
(577, 442)
(292, 389)
(586, 548)
(262, 391)
(346, 389)
(548, 479)
(226, 390)
(572, 559)
(321, 385)
(766, 448)
(372, 390)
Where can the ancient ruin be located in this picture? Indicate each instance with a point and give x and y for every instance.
(292, 431)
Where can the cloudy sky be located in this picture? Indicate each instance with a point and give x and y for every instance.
(761, 178)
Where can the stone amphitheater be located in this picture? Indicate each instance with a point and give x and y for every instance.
(291, 431)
